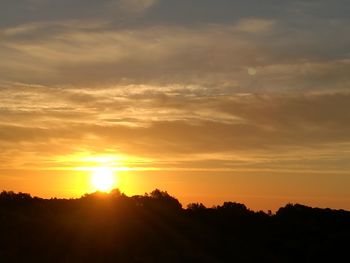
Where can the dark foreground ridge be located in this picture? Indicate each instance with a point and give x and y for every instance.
(155, 228)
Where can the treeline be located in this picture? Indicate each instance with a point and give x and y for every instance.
(155, 228)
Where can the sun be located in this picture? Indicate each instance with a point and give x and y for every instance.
(103, 179)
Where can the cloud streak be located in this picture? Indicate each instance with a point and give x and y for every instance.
(150, 79)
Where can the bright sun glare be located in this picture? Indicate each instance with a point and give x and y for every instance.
(103, 179)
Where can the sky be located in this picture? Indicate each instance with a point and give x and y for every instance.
(212, 101)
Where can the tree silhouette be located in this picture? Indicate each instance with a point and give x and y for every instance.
(154, 227)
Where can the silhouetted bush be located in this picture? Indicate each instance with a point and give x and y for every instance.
(102, 227)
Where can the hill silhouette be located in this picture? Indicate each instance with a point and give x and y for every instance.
(155, 227)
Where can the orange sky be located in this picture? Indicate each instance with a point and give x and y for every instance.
(233, 101)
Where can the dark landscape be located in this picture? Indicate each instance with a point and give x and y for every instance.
(154, 227)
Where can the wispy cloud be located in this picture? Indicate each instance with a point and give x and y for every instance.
(254, 25)
(233, 84)
(210, 56)
(135, 5)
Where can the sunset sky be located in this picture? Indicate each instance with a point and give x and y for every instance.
(212, 101)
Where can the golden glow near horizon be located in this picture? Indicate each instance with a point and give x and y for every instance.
(103, 179)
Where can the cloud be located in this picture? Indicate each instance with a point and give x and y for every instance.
(254, 25)
(71, 53)
(170, 78)
(237, 132)
(163, 12)
(135, 5)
